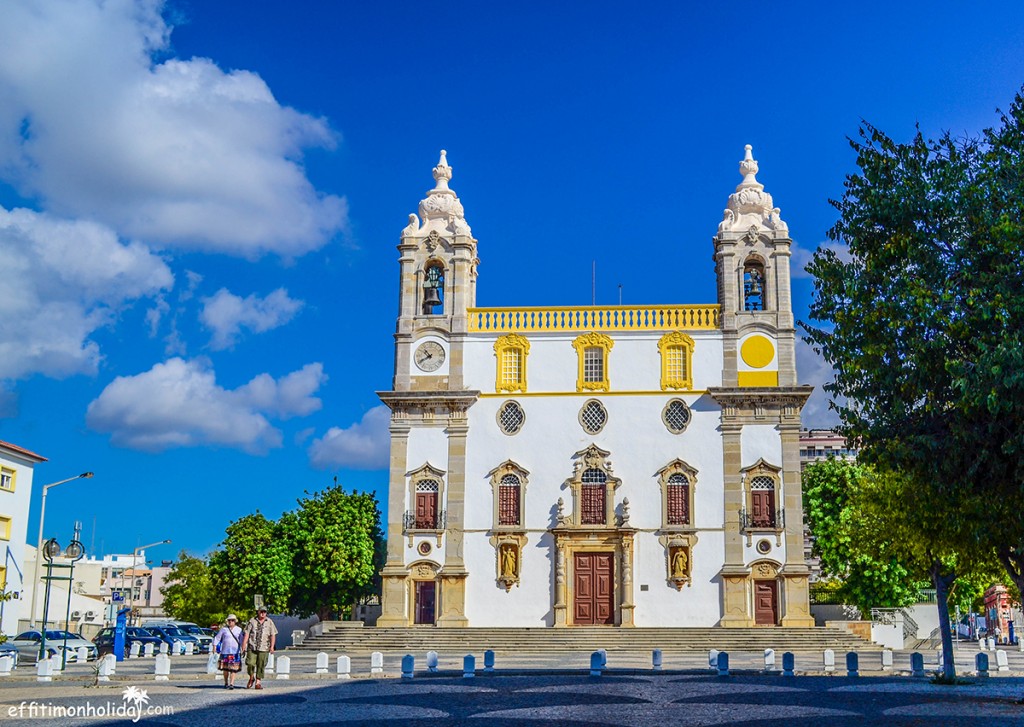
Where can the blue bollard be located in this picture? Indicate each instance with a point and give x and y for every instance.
(408, 664)
(788, 664)
(488, 661)
(604, 657)
(656, 660)
(723, 663)
(981, 664)
(917, 664)
(852, 664)
(596, 664)
(468, 666)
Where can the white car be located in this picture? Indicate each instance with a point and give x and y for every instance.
(27, 644)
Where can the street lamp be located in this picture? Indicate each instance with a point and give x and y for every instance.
(135, 571)
(39, 543)
(73, 553)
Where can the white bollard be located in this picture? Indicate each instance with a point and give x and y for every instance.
(1002, 663)
(164, 648)
(938, 658)
(134, 650)
(886, 660)
(769, 659)
(432, 661)
(6, 664)
(376, 662)
(162, 667)
(269, 668)
(284, 668)
(44, 670)
(656, 660)
(991, 644)
(149, 649)
(829, 660)
(981, 644)
(108, 664)
(713, 660)
(344, 667)
(323, 662)
(189, 648)
(82, 654)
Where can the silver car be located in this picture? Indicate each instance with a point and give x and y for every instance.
(27, 644)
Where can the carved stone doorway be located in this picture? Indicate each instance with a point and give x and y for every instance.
(425, 607)
(766, 603)
(594, 589)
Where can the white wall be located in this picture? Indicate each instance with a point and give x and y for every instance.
(15, 505)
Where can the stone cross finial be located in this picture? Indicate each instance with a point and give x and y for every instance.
(748, 168)
(442, 172)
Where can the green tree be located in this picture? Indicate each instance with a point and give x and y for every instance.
(923, 324)
(189, 593)
(336, 541)
(254, 558)
(865, 579)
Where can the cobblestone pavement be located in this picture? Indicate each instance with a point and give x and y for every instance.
(530, 701)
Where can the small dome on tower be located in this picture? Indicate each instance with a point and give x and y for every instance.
(750, 206)
(441, 209)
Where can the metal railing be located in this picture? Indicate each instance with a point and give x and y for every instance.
(595, 318)
(410, 522)
(889, 616)
(778, 522)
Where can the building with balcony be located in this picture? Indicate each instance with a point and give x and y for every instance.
(17, 466)
(601, 465)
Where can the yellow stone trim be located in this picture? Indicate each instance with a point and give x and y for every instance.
(587, 393)
(755, 379)
(507, 343)
(596, 318)
(667, 343)
(757, 352)
(5, 527)
(581, 344)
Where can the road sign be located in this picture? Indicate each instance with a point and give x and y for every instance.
(117, 597)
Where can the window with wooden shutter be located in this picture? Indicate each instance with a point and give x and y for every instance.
(508, 500)
(678, 500)
(592, 497)
(426, 504)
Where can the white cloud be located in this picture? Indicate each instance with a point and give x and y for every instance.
(226, 314)
(813, 369)
(61, 281)
(178, 153)
(801, 257)
(179, 404)
(362, 446)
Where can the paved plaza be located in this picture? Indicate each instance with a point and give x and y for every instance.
(524, 692)
(535, 700)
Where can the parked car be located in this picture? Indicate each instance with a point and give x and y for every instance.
(169, 635)
(27, 643)
(205, 640)
(9, 649)
(104, 640)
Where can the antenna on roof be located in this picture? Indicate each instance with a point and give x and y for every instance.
(620, 293)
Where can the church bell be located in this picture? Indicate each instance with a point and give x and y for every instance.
(431, 297)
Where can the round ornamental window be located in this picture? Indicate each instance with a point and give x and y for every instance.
(676, 416)
(764, 547)
(511, 417)
(593, 416)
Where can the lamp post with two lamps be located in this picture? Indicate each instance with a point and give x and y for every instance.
(39, 543)
(135, 572)
(51, 550)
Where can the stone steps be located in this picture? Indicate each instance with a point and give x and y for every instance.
(354, 640)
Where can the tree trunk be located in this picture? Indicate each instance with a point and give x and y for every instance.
(942, 581)
(1012, 560)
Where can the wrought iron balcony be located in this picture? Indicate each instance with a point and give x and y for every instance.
(411, 522)
(777, 521)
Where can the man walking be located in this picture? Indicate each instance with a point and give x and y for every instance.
(258, 644)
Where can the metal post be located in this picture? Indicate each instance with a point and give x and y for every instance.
(74, 551)
(46, 609)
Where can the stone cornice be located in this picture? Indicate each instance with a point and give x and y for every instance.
(412, 401)
(737, 401)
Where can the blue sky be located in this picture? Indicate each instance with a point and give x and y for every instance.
(200, 202)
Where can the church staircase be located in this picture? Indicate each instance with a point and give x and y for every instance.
(343, 637)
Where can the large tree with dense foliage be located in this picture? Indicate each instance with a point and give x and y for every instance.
(336, 540)
(865, 577)
(189, 593)
(254, 558)
(924, 324)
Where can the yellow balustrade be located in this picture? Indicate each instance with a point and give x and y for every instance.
(595, 318)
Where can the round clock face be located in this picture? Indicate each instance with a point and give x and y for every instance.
(429, 356)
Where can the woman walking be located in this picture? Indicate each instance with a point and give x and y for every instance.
(229, 642)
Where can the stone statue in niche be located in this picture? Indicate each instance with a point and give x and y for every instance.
(680, 561)
(509, 564)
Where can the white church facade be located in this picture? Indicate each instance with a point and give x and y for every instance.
(609, 465)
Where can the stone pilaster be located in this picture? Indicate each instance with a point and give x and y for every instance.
(453, 573)
(393, 596)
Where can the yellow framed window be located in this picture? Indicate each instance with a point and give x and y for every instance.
(511, 351)
(7, 479)
(5, 527)
(592, 353)
(676, 361)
